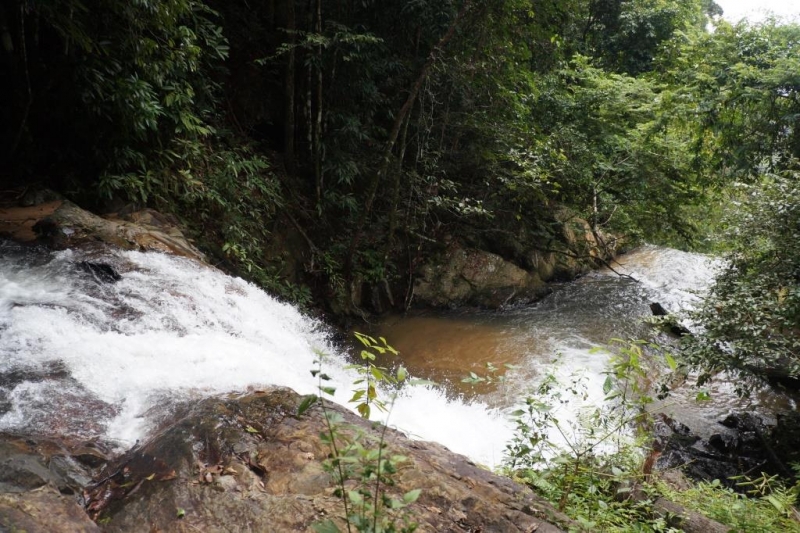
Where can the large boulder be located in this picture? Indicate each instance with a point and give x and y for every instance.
(466, 276)
(251, 464)
(61, 224)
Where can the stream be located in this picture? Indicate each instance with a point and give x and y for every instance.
(91, 359)
(565, 334)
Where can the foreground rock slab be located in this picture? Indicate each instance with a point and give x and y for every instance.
(40, 480)
(250, 464)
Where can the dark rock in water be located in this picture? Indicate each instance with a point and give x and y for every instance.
(39, 479)
(669, 433)
(103, 272)
(35, 196)
(670, 322)
(749, 445)
(723, 442)
(786, 437)
(466, 276)
(251, 464)
(658, 310)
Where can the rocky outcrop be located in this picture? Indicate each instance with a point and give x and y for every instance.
(519, 270)
(251, 464)
(744, 443)
(464, 276)
(61, 224)
(40, 481)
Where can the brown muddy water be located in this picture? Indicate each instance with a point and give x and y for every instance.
(564, 334)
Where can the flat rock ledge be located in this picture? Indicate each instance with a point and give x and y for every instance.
(251, 464)
(61, 224)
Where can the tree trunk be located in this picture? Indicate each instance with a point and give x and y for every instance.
(396, 192)
(289, 89)
(318, 119)
(386, 158)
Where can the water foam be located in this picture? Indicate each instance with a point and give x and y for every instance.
(173, 329)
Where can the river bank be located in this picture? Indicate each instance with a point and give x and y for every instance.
(112, 358)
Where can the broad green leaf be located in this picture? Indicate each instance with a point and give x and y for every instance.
(608, 384)
(411, 496)
(306, 404)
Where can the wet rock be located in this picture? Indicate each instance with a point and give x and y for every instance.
(724, 443)
(786, 438)
(61, 224)
(43, 510)
(464, 276)
(669, 433)
(670, 323)
(39, 481)
(251, 464)
(35, 196)
(102, 272)
(744, 444)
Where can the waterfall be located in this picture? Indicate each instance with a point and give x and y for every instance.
(92, 359)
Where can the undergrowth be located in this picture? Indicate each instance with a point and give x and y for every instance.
(360, 462)
(597, 466)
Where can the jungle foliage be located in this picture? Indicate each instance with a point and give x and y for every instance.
(365, 131)
(324, 148)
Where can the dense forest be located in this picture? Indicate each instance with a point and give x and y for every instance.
(322, 148)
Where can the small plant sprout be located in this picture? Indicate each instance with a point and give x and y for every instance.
(359, 460)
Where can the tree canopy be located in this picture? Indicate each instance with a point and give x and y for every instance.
(369, 132)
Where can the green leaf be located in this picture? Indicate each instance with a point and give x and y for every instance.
(328, 390)
(670, 361)
(411, 496)
(355, 497)
(402, 373)
(181, 512)
(326, 526)
(251, 429)
(306, 404)
(377, 374)
(703, 396)
(777, 504)
(608, 384)
(357, 395)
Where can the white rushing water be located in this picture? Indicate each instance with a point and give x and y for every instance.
(568, 326)
(92, 359)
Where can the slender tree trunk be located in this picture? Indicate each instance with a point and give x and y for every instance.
(5, 33)
(318, 120)
(309, 88)
(307, 113)
(289, 90)
(270, 14)
(28, 91)
(396, 191)
(395, 132)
